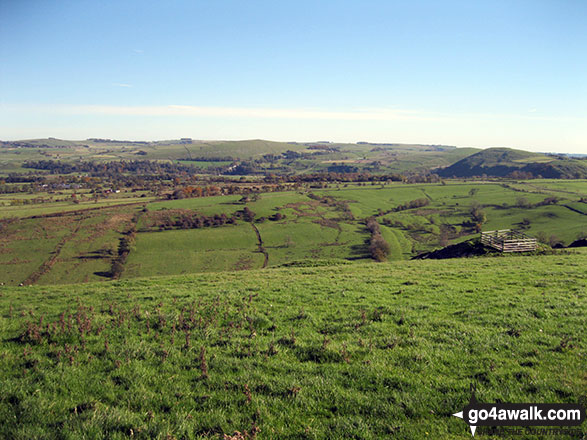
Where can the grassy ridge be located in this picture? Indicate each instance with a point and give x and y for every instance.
(503, 161)
(361, 351)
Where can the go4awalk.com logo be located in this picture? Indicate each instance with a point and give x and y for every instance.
(520, 414)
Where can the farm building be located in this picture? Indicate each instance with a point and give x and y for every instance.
(506, 240)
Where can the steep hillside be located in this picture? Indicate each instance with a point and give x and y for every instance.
(502, 162)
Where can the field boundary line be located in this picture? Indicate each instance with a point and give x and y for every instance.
(574, 210)
(260, 245)
(79, 211)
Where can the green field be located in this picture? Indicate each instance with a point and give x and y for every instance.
(63, 248)
(364, 351)
(189, 251)
(204, 205)
(276, 322)
(314, 224)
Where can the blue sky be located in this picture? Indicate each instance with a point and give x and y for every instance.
(468, 73)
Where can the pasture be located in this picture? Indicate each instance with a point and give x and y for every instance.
(308, 224)
(60, 248)
(190, 251)
(364, 351)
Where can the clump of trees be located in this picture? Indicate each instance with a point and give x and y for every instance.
(124, 247)
(478, 216)
(523, 202)
(113, 168)
(417, 203)
(245, 214)
(521, 175)
(197, 191)
(197, 221)
(338, 205)
(548, 201)
(277, 216)
(379, 249)
(553, 241)
(188, 219)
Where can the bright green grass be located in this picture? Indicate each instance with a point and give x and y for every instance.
(204, 205)
(88, 255)
(266, 205)
(579, 206)
(55, 207)
(269, 203)
(552, 220)
(290, 241)
(68, 249)
(7, 198)
(578, 187)
(401, 247)
(453, 202)
(194, 250)
(366, 201)
(378, 350)
(24, 247)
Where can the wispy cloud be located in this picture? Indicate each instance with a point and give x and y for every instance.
(138, 50)
(122, 85)
(357, 114)
(373, 114)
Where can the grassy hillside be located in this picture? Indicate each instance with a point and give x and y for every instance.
(364, 351)
(181, 252)
(502, 162)
(236, 149)
(71, 248)
(66, 242)
(319, 157)
(13, 154)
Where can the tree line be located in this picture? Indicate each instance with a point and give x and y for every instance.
(146, 167)
(379, 249)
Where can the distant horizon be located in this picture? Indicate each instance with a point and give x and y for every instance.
(117, 139)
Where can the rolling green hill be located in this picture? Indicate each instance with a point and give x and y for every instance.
(502, 162)
(280, 157)
(268, 156)
(365, 351)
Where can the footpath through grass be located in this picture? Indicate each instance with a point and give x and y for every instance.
(365, 351)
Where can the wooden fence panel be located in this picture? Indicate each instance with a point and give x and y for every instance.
(505, 240)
